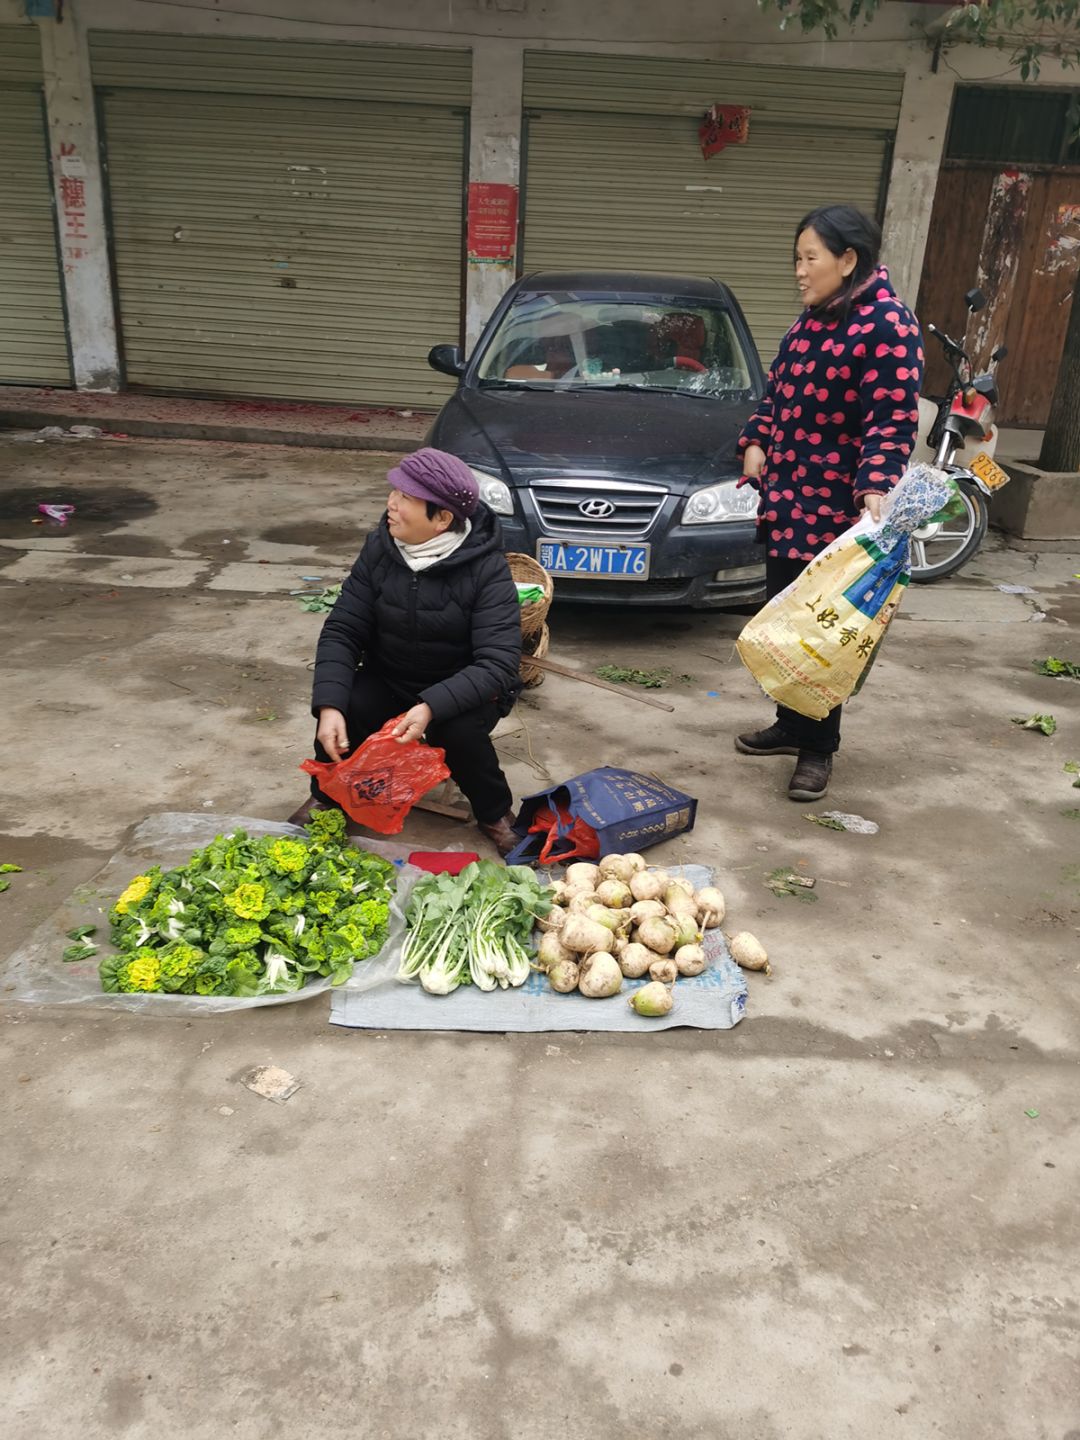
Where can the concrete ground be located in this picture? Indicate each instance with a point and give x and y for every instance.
(853, 1215)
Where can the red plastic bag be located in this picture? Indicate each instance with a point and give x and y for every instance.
(379, 783)
(566, 837)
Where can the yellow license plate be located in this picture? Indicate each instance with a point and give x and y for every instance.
(992, 475)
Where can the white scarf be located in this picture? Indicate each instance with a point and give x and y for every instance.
(422, 557)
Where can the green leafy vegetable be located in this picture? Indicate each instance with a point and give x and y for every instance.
(1046, 723)
(10, 869)
(317, 602)
(4, 884)
(250, 916)
(1066, 669)
(624, 675)
(787, 882)
(827, 822)
(78, 952)
(80, 932)
(473, 928)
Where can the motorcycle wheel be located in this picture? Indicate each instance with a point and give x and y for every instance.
(940, 548)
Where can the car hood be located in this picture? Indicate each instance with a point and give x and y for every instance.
(633, 434)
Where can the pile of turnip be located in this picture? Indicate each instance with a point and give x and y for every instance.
(619, 919)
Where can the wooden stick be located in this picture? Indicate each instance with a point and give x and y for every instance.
(557, 669)
(436, 807)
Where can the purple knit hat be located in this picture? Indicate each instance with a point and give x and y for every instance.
(434, 475)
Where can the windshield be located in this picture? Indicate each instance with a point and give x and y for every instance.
(565, 341)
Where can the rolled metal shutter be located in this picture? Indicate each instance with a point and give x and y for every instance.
(285, 244)
(33, 340)
(615, 177)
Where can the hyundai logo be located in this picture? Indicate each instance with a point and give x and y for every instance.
(596, 509)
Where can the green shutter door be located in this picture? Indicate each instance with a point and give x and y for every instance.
(33, 343)
(284, 246)
(627, 187)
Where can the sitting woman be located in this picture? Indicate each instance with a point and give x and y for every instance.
(430, 614)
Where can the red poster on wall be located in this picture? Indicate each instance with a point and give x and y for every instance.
(723, 125)
(493, 218)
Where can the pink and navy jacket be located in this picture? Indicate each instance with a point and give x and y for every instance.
(838, 418)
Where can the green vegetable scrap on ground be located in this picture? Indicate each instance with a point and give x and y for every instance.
(1072, 767)
(473, 928)
(250, 916)
(788, 882)
(647, 679)
(10, 869)
(1046, 723)
(317, 602)
(1062, 669)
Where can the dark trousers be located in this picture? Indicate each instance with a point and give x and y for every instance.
(470, 755)
(822, 736)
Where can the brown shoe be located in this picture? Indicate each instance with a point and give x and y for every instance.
(306, 810)
(501, 835)
(811, 778)
(772, 741)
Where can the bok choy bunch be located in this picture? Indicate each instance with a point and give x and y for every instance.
(473, 928)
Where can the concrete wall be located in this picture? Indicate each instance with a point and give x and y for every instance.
(499, 32)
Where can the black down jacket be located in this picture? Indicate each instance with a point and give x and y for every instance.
(449, 636)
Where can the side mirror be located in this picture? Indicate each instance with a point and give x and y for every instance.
(1000, 353)
(975, 300)
(446, 358)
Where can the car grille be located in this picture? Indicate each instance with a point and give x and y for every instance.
(634, 507)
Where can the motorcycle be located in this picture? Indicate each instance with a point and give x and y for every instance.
(965, 412)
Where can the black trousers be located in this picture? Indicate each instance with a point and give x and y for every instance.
(822, 736)
(470, 755)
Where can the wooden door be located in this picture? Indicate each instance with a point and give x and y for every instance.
(1015, 234)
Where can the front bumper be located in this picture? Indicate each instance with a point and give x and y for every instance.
(704, 566)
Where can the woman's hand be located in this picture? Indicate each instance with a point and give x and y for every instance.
(872, 503)
(753, 461)
(332, 734)
(412, 724)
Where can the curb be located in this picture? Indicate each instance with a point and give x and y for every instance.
(192, 430)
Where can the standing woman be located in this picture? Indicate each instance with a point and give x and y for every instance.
(831, 436)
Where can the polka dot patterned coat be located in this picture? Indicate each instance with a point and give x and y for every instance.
(838, 419)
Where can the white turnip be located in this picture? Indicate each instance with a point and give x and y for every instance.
(657, 935)
(583, 874)
(690, 959)
(654, 1000)
(616, 867)
(551, 950)
(647, 910)
(559, 892)
(666, 971)
(614, 893)
(686, 929)
(555, 919)
(603, 916)
(635, 861)
(584, 936)
(580, 901)
(564, 976)
(648, 884)
(748, 951)
(634, 960)
(711, 907)
(600, 977)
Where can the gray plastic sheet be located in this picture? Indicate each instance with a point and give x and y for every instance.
(36, 975)
(713, 1000)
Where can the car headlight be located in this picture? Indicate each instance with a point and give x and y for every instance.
(495, 493)
(719, 504)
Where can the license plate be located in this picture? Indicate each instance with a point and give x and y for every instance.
(992, 476)
(585, 561)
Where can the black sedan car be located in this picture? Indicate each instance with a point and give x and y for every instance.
(600, 412)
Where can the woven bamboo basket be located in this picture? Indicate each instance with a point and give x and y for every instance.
(525, 571)
(535, 644)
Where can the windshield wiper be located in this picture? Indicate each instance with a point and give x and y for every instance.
(648, 389)
(495, 384)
